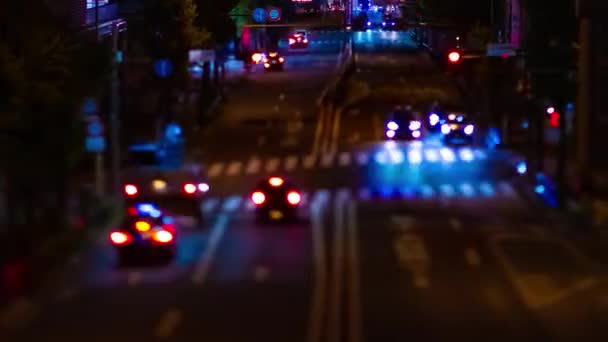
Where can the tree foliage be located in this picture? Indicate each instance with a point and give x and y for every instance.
(47, 70)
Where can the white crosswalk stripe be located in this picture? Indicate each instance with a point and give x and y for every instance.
(344, 159)
(272, 165)
(234, 168)
(253, 166)
(215, 169)
(327, 160)
(362, 158)
(291, 162)
(458, 193)
(309, 161)
(210, 205)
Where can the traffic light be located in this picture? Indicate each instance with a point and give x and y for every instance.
(553, 117)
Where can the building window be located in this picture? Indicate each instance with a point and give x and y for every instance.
(91, 3)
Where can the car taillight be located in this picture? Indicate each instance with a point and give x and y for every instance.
(130, 190)
(119, 238)
(293, 197)
(281, 59)
(132, 211)
(169, 227)
(305, 40)
(291, 41)
(258, 198)
(189, 188)
(162, 236)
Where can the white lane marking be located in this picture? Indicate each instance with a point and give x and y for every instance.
(455, 224)
(413, 256)
(334, 327)
(344, 159)
(234, 168)
(134, 278)
(309, 161)
(215, 169)
(253, 166)
(209, 205)
(272, 165)
(327, 160)
(319, 294)
(291, 162)
(203, 264)
(168, 323)
(362, 158)
(354, 281)
(472, 257)
(232, 203)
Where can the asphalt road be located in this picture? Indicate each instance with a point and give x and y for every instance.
(396, 242)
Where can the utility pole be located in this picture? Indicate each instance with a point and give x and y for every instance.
(583, 103)
(114, 111)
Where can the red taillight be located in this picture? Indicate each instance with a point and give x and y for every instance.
(258, 198)
(454, 57)
(293, 197)
(256, 57)
(119, 238)
(132, 211)
(169, 227)
(189, 188)
(305, 40)
(291, 41)
(130, 190)
(162, 236)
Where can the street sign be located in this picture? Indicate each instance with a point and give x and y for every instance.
(95, 144)
(274, 14)
(201, 56)
(163, 68)
(501, 50)
(259, 15)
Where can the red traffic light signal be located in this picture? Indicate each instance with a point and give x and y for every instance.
(454, 57)
(554, 119)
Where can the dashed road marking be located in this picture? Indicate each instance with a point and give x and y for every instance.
(309, 161)
(253, 166)
(234, 168)
(272, 165)
(291, 162)
(215, 169)
(344, 159)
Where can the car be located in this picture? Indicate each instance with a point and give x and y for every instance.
(457, 130)
(273, 61)
(276, 199)
(298, 40)
(179, 192)
(438, 115)
(402, 124)
(144, 235)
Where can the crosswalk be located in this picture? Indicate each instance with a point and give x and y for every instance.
(459, 193)
(291, 163)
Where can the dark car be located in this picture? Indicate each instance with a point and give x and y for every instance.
(276, 199)
(402, 124)
(458, 130)
(179, 192)
(273, 61)
(298, 40)
(147, 235)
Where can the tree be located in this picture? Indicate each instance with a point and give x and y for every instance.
(48, 69)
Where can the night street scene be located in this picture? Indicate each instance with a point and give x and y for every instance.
(304, 170)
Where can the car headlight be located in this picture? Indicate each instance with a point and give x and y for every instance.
(392, 125)
(468, 130)
(445, 129)
(415, 125)
(390, 134)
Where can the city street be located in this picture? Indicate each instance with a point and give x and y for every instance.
(394, 241)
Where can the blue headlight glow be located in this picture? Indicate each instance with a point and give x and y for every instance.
(522, 168)
(460, 118)
(469, 129)
(369, 23)
(392, 125)
(445, 129)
